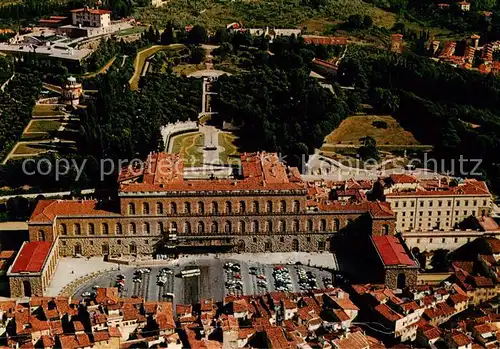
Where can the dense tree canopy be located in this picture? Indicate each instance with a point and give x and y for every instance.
(456, 110)
(283, 111)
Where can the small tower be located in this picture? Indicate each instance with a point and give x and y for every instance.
(71, 92)
(397, 43)
(475, 41)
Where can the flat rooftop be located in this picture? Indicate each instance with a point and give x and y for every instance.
(51, 51)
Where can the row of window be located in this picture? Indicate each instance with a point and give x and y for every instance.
(438, 213)
(201, 228)
(441, 240)
(439, 203)
(132, 247)
(213, 208)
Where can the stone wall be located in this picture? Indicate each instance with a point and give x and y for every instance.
(17, 289)
(391, 276)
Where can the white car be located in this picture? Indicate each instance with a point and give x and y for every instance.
(86, 294)
(95, 287)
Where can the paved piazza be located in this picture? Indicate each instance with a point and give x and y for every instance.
(212, 281)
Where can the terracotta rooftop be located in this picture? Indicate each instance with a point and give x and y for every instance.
(32, 257)
(92, 11)
(164, 172)
(469, 187)
(461, 339)
(354, 340)
(47, 210)
(403, 179)
(391, 251)
(324, 40)
(388, 313)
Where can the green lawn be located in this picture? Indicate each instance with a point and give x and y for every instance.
(230, 152)
(46, 110)
(44, 126)
(27, 149)
(140, 60)
(186, 69)
(130, 31)
(188, 145)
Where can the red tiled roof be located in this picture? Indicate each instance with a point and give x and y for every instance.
(163, 172)
(469, 187)
(92, 11)
(391, 251)
(461, 339)
(32, 257)
(46, 210)
(494, 244)
(324, 40)
(403, 178)
(387, 312)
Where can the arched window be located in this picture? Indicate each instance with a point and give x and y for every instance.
(91, 229)
(296, 225)
(282, 206)
(27, 288)
(77, 229)
(255, 207)
(63, 230)
(229, 207)
(132, 248)
(145, 228)
(41, 235)
(78, 249)
(242, 228)
(242, 207)
(269, 226)
(269, 206)
(173, 227)
(295, 245)
(282, 226)
(131, 228)
(105, 229)
(214, 228)
(187, 207)
(322, 225)
(159, 208)
(173, 208)
(201, 207)
(145, 208)
(187, 228)
(255, 227)
(131, 208)
(159, 227)
(200, 228)
(296, 206)
(336, 225)
(214, 208)
(227, 227)
(309, 226)
(118, 229)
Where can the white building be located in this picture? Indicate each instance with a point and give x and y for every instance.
(89, 17)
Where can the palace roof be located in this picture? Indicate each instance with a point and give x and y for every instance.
(47, 210)
(32, 257)
(391, 251)
(164, 172)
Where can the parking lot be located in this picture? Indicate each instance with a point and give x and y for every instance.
(208, 278)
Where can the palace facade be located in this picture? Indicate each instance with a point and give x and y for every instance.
(264, 209)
